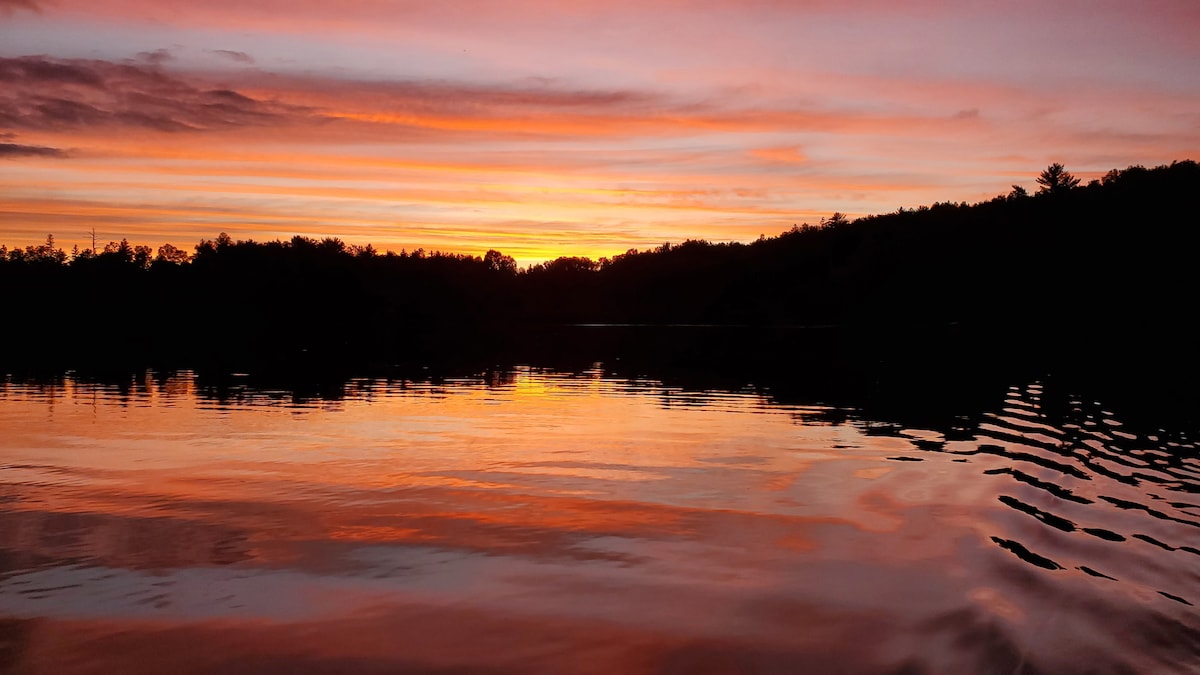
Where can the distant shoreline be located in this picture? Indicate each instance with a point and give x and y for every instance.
(1100, 272)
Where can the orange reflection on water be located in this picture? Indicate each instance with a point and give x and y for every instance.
(536, 522)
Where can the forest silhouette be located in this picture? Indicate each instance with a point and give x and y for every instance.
(1106, 270)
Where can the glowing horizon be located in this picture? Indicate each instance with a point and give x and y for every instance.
(542, 131)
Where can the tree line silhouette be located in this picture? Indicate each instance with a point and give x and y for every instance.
(1072, 267)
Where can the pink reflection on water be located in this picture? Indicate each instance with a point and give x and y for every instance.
(546, 523)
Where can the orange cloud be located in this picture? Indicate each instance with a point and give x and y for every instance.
(780, 155)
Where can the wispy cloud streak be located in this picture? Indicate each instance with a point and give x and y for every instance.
(233, 55)
(9, 7)
(47, 94)
(18, 150)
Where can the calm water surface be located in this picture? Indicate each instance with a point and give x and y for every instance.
(537, 522)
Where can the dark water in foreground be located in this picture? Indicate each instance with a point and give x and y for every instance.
(537, 522)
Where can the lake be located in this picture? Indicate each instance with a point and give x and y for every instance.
(524, 520)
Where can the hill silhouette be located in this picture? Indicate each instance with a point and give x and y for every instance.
(1104, 266)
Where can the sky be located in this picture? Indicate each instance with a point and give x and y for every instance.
(544, 128)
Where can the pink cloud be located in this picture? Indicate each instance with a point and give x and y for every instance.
(9, 7)
(44, 93)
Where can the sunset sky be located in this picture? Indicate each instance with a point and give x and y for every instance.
(546, 128)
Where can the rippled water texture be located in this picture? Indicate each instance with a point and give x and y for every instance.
(537, 522)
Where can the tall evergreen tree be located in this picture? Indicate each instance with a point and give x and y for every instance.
(1056, 179)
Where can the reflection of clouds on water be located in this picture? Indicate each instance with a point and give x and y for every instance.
(1067, 466)
(727, 529)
